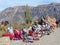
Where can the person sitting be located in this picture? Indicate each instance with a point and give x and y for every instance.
(33, 28)
(47, 26)
(43, 26)
(21, 33)
(10, 33)
(30, 33)
(10, 30)
(16, 34)
(25, 35)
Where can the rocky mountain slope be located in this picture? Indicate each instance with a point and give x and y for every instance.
(17, 13)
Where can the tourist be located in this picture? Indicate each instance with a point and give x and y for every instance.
(30, 33)
(39, 26)
(21, 33)
(25, 34)
(33, 28)
(16, 34)
(10, 33)
(10, 30)
(43, 26)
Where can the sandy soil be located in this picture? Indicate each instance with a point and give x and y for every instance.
(53, 39)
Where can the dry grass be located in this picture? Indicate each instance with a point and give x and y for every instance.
(1, 32)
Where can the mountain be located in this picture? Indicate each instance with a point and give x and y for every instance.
(17, 13)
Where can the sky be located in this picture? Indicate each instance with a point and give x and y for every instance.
(10, 3)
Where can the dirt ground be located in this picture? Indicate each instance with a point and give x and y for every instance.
(53, 39)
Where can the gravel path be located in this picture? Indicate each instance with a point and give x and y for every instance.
(53, 39)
